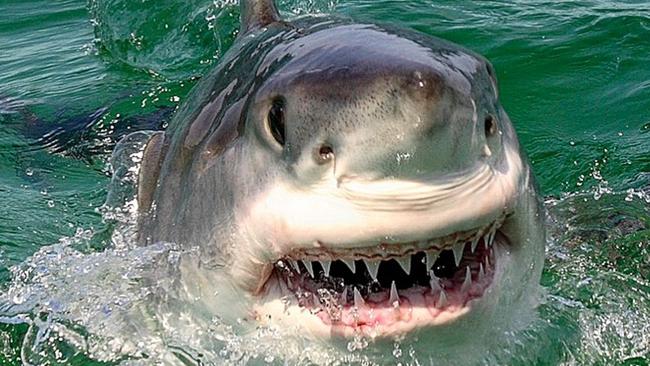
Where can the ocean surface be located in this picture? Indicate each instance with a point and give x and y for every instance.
(77, 75)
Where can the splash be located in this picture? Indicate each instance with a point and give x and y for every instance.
(80, 300)
(126, 303)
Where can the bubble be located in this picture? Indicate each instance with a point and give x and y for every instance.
(397, 351)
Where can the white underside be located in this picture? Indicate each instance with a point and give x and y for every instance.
(356, 213)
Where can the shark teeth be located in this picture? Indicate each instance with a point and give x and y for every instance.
(350, 264)
(373, 268)
(459, 269)
(488, 239)
(394, 296)
(344, 296)
(457, 249)
(475, 243)
(310, 268)
(442, 300)
(434, 282)
(326, 267)
(294, 265)
(430, 257)
(405, 263)
(358, 299)
(467, 283)
(372, 265)
(372, 260)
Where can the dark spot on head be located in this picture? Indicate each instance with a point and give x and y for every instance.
(490, 126)
(275, 120)
(490, 70)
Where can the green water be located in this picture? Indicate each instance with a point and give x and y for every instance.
(574, 77)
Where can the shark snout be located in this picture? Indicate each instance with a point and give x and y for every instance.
(398, 112)
(403, 126)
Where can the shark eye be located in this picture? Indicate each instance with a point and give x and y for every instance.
(490, 70)
(490, 126)
(275, 121)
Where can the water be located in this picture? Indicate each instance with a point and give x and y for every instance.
(76, 76)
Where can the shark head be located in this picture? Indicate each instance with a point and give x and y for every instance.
(349, 179)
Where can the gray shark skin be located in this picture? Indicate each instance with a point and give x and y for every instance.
(370, 168)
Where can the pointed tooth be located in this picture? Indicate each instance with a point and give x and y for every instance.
(373, 268)
(468, 280)
(442, 300)
(431, 258)
(458, 252)
(310, 268)
(294, 264)
(475, 242)
(344, 296)
(434, 282)
(486, 240)
(481, 272)
(405, 263)
(493, 232)
(350, 264)
(487, 262)
(358, 299)
(394, 296)
(326, 264)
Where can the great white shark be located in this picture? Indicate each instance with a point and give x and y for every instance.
(348, 179)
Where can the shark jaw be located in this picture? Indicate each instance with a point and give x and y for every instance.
(384, 258)
(378, 293)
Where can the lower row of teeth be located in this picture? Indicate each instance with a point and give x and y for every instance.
(405, 263)
(436, 288)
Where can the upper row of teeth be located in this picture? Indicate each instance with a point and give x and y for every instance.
(405, 262)
(389, 251)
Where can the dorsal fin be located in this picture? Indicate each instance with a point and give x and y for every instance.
(257, 13)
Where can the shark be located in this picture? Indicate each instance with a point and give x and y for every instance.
(347, 179)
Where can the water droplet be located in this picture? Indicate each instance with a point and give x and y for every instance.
(397, 351)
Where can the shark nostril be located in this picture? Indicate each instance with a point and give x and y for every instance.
(490, 126)
(324, 154)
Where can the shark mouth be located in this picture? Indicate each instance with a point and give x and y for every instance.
(392, 288)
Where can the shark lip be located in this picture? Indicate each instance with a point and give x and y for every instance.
(388, 288)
